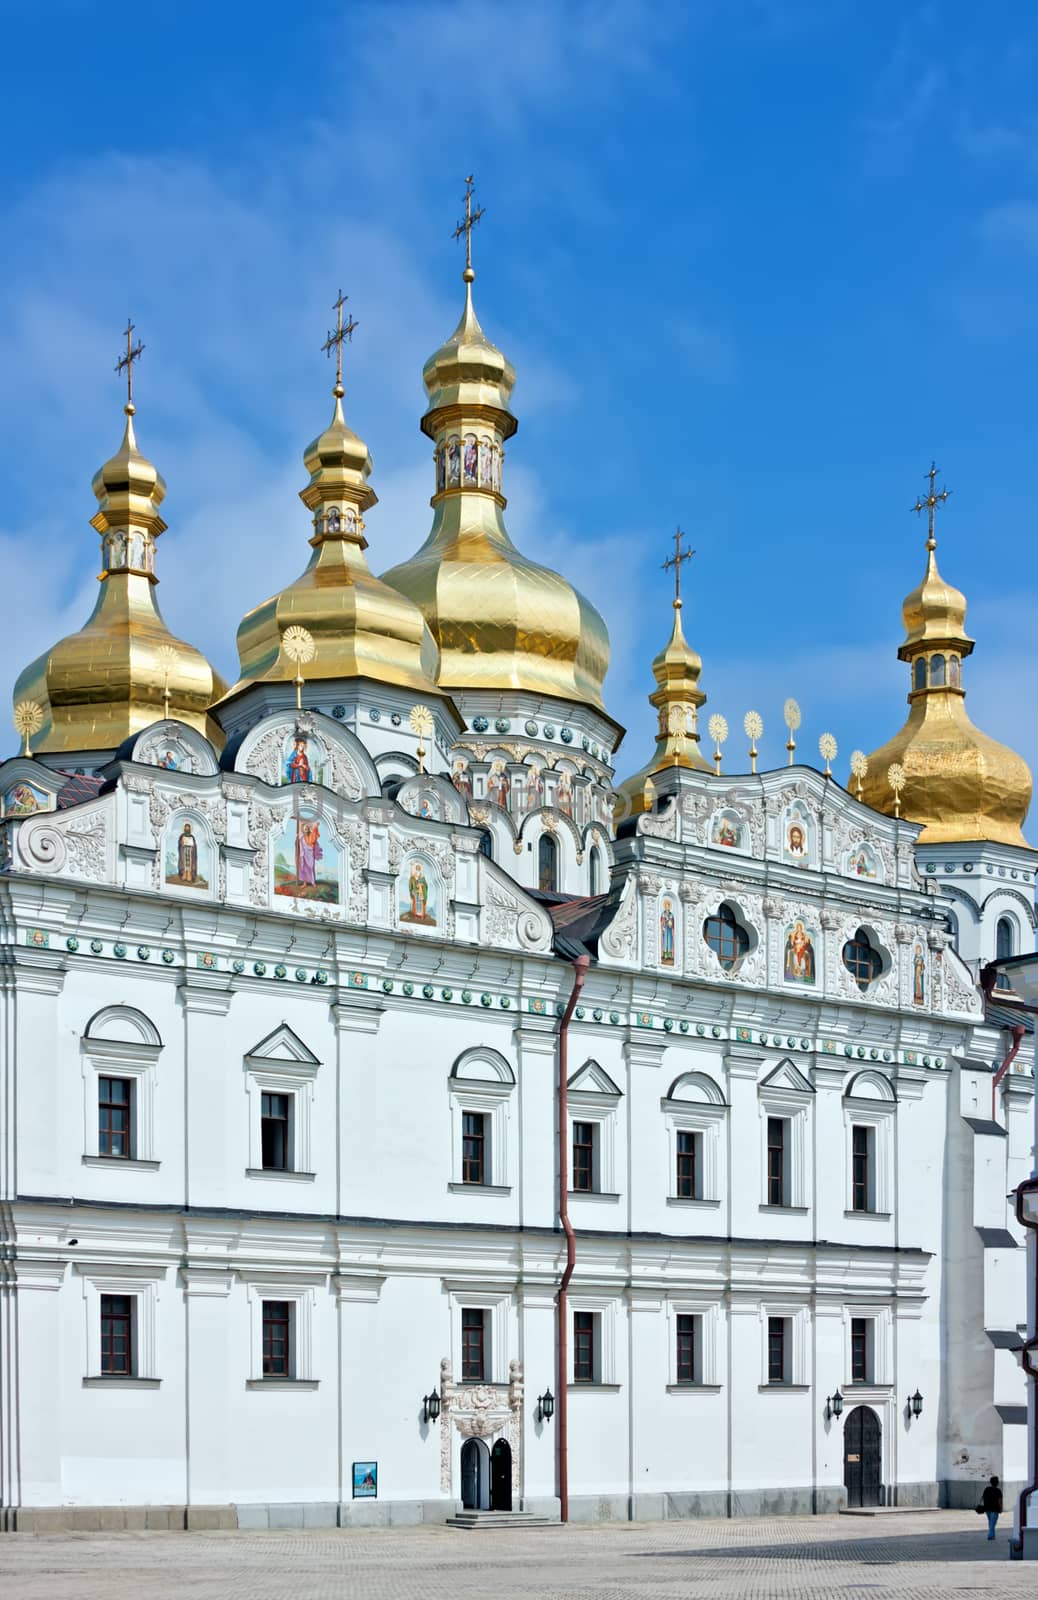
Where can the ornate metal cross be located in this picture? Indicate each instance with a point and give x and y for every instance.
(675, 561)
(133, 353)
(343, 330)
(929, 504)
(471, 218)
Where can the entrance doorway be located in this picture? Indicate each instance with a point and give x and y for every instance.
(862, 1452)
(501, 1476)
(475, 1475)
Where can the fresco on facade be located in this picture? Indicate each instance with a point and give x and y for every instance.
(668, 927)
(417, 898)
(799, 963)
(918, 976)
(726, 832)
(499, 785)
(796, 837)
(189, 857)
(861, 863)
(306, 860)
(23, 798)
(304, 759)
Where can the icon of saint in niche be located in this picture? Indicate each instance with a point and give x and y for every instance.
(441, 469)
(535, 789)
(471, 457)
(918, 977)
(726, 833)
(499, 786)
(453, 462)
(800, 955)
(184, 866)
(297, 767)
(461, 778)
(168, 760)
(418, 907)
(796, 842)
(485, 470)
(667, 933)
(308, 851)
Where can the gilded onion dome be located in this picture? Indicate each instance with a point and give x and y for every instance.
(362, 628)
(677, 699)
(958, 782)
(124, 669)
(501, 621)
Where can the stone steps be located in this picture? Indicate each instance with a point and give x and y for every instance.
(503, 1521)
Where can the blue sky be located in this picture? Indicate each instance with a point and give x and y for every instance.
(756, 262)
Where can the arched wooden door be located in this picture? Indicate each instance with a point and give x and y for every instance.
(474, 1485)
(862, 1458)
(501, 1476)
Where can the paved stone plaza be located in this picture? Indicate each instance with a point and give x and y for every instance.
(936, 1554)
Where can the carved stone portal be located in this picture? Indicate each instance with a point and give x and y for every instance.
(481, 1411)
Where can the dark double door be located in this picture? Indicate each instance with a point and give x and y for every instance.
(486, 1476)
(862, 1452)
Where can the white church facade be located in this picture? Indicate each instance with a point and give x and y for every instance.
(338, 1005)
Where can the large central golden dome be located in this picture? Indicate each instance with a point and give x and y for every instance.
(961, 784)
(501, 621)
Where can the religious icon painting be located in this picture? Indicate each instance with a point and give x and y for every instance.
(668, 927)
(428, 807)
(453, 462)
(188, 856)
(306, 859)
(499, 785)
(470, 459)
(918, 976)
(796, 836)
(799, 960)
(417, 903)
(461, 778)
(23, 799)
(861, 863)
(304, 759)
(726, 831)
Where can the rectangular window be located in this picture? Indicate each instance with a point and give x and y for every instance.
(585, 1346)
(778, 1349)
(862, 1164)
(275, 1131)
(473, 1345)
(584, 1153)
(861, 1349)
(115, 1117)
(117, 1341)
(778, 1164)
(689, 1165)
(277, 1338)
(688, 1369)
(474, 1166)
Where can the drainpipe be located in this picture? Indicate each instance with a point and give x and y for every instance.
(1030, 1366)
(1018, 1037)
(580, 967)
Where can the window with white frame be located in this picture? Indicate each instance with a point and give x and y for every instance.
(784, 1346)
(592, 1357)
(280, 1080)
(784, 1103)
(482, 1088)
(867, 1345)
(120, 1305)
(593, 1100)
(281, 1329)
(693, 1343)
(119, 1052)
(694, 1111)
(870, 1124)
(479, 1333)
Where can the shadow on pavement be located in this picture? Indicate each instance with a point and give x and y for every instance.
(871, 1550)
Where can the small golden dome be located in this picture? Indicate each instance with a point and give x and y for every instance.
(361, 627)
(500, 620)
(124, 669)
(961, 784)
(677, 699)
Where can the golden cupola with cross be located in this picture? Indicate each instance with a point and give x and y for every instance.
(502, 622)
(955, 780)
(677, 700)
(124, 669)
(360, 626)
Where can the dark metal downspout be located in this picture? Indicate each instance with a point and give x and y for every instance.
(580, 967)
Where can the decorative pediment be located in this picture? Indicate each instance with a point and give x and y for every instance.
(304, 747)
(593, 1079)
(871, 1086)
(788, 1077)
(284, 1044)
(695, 1088)
(482, 1065)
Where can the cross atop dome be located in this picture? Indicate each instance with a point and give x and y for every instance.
(334, 341)
(466, 227)
(929, 503)
(675, 561)
(125, 364)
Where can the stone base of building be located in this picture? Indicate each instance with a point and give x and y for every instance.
(963, 1494)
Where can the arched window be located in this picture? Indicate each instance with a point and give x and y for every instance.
(936, 672)
(547, 864)
(953, 929)
(954, 672)
(593, 873)
(919, 673)
(726, 936)
(486, 843)
(1005, 939)
(862, 960)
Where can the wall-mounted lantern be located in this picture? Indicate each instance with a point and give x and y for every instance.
(915, 1402)
(431, 1407)
(833, 1405)
(545, 1406)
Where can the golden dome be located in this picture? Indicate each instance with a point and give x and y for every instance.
(124, 669)
(361, 627)
(961, 784)
(677, 699)
(501, 621)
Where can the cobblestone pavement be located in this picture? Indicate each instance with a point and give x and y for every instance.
(915, 1557)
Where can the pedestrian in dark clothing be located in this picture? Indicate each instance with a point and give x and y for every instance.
(991, 1501)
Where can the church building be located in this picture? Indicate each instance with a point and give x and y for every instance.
(407, 1113)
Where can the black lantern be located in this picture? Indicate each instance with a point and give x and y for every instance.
(833, 1405)
(916, 1403)
(431, 1404)
(545, 1406)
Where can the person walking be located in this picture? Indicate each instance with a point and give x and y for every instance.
(991, 1501)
